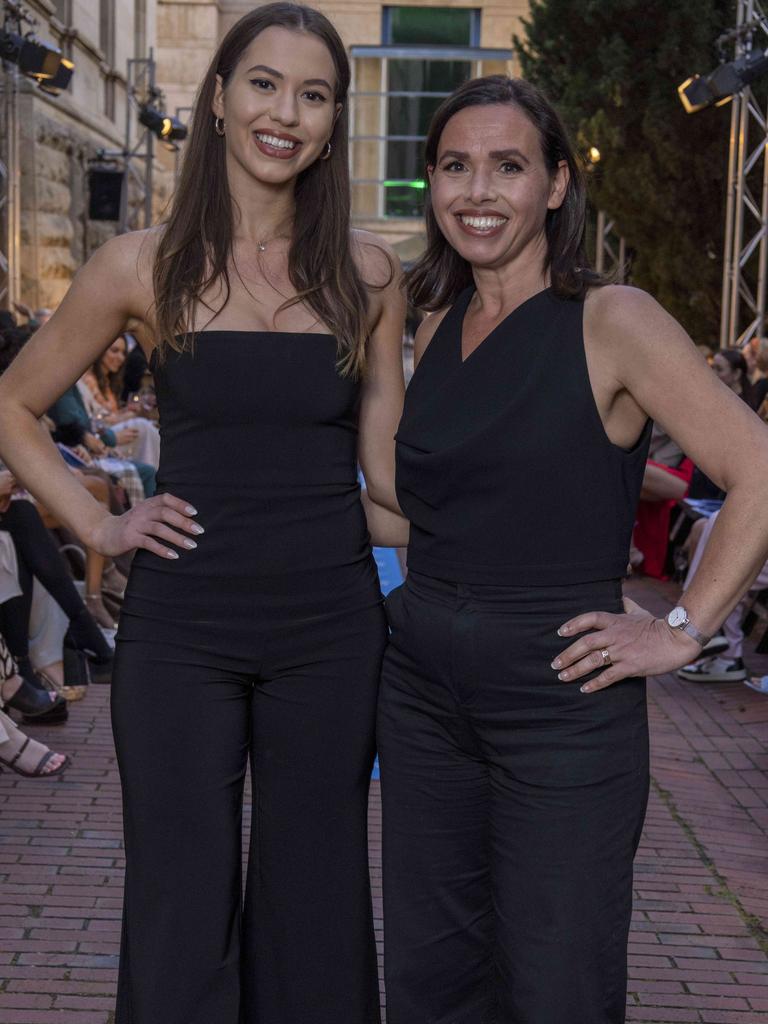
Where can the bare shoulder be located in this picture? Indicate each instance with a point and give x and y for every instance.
(425, 333)
(128, 260)
(618, 312)
(376, 260)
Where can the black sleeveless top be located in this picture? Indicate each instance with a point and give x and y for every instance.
(503, 465)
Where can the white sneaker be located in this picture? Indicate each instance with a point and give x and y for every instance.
(714, 670)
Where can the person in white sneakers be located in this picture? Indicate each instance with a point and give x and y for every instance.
(721, 659)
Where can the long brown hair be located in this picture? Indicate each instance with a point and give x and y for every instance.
(196, 245)
(110, 383)
(440, 274)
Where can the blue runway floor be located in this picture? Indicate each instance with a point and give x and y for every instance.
(390, 577)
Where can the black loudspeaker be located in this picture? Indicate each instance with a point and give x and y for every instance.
(104, 189)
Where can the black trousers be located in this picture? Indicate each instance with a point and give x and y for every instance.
(37, 555)
(301, 949)
(512, 809)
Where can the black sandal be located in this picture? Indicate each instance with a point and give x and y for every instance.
(32, 698)
(33, 703)
(37, 772)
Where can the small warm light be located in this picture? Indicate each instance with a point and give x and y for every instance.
(594, 155)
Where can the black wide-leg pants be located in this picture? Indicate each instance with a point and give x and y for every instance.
(300, 948)
(512, 809)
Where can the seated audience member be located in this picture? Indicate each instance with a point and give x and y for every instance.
(136, 369)
(19, 752)
(759, 378)
(56, 664)
(722, 659)
(731, 367)
(73, 429)
(665, 481)
(39, 558)
(100, 387)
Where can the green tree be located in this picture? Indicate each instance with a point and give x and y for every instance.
(612, 68)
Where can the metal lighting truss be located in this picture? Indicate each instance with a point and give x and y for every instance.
(10, 165)
(610, 248)
(139, 157)
(10, 178)
(746, 219)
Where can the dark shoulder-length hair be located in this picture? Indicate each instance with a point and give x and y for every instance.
(440, 274)
(196, 245)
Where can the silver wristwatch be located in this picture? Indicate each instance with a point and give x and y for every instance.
(678, 619)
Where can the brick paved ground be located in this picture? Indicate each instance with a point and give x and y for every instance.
(699, 945)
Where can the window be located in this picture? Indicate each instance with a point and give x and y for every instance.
(426, 53)
(63, 11)
(431, 26)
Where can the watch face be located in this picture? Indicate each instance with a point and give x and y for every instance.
(677, 617)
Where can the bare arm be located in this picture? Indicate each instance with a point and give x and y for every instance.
(107, 294)
(659, 367)
(387, 529)
(383, 389)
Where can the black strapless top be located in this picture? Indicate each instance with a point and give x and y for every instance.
(259, 433)
(503, 465)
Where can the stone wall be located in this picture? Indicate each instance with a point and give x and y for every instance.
(59, 135)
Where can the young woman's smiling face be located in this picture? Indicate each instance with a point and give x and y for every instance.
(278, 105)
(114, 357)
(490, 186)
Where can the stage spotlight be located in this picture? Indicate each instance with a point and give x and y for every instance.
(60, 81)
(722, 84)
(36, 59)
(168, 129)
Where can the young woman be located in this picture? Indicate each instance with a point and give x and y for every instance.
(137, 438)
(252, 623)
(512, 726)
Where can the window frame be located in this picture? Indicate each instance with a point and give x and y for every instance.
(386, 23)
(474, 55)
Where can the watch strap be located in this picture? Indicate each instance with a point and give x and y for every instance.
(696, 634)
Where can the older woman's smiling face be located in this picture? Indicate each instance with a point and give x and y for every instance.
(491, 188)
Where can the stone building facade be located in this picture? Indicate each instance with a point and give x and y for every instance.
(400, 55)
(58, 136)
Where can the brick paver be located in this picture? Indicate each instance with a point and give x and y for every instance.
(699, 943)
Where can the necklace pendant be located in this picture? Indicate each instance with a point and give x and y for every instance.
(261, 246)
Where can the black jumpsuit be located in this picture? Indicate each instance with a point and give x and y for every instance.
(513, 803)
(265, 641)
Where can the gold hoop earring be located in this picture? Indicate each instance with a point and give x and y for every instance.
(218, 126)
(327, 152)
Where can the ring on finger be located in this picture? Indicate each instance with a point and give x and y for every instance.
(606, 656)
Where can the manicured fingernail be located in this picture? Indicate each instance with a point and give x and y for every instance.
(556, 663)
(191, 510)
(562, 631)
(563, 676)
(197, 528)
(172, 554)
(190, 544)
(586, 689)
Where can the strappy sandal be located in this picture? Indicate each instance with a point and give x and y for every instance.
(31, 701)
(27, 757)
(68, 691)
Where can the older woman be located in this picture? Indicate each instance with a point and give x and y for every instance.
(512, 723)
